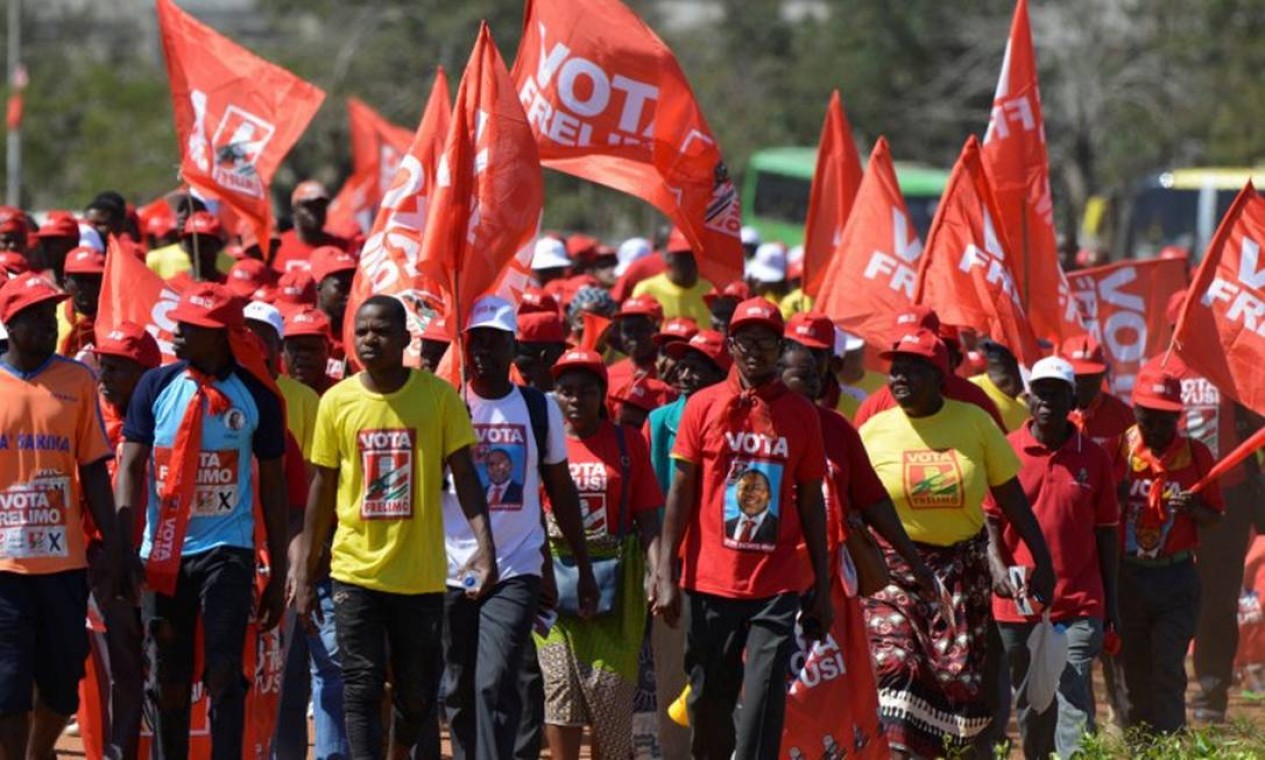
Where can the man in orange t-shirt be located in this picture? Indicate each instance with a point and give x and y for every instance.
(53, 451)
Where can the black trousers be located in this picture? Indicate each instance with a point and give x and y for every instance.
(718, 631)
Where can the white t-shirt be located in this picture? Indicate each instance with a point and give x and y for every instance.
(506, 459)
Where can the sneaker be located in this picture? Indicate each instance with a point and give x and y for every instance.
(72, 728)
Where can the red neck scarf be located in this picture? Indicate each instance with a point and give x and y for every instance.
(1177, 456)
(747, 409)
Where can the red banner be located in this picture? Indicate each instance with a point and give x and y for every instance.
(388, 261)
(836, 182)
(1123, 306)
(1014, 154)
(967, 274)
(237, 115)
(131, 291)
(608, 103)
(872, 273)
(377, 147)
(1221, 332)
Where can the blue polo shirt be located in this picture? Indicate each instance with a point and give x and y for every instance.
(222, 512)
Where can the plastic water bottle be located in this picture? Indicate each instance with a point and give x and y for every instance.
(469, 581)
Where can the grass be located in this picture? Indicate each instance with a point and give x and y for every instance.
(1238, 739)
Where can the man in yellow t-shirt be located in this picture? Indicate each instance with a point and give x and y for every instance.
(383, 438)
(1003, 383)
(679, 289)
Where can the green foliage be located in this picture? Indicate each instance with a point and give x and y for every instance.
(1237, 740)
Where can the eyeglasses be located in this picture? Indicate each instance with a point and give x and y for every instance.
(748, 345)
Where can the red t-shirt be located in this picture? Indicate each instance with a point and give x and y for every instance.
(750, 449)
(851, 481)
(1072, 491)
(1186, 462)
(621, 374)
(1209, 417)
(1105, 420)
(955, 387)
(642, 269)
(294, 253)
(336, 365)
(595, 468)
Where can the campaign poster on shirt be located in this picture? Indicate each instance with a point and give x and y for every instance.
(753, 509)
(387, 458)
(933, 480)
(33, 519)
(1144, 536)
(500, 457)
(591, 485)
(216, 483)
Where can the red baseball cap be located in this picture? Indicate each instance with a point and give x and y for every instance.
(307, 321)
(59, 224)
(203, 223)
(208, 304)
(759, 311)
(541, 327)
(812, 330)
(923, 343)
(157, 225)
(1085, 355)
(536, 300)
(676, 329)
(678, 242)
(737, 290)
(578, 359)
(917, 318)
(308, 190)
(13, 224)
(1157, 388)
(13, 262)
(641, 306)
(328, 260)
(296, 288)
(247, 276)
(129, 341)
(85, 260)
(645, 393)
(709, 343)
(437, 330)
(24, 291)
(581, 246)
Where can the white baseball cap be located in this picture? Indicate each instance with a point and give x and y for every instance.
(749, 235)
(629, 251)
(266, 313)
(90, 238)
(768, 264)
(846, 342)
(1053, 368)
(795, 255)
(494, 312)
(550, 253)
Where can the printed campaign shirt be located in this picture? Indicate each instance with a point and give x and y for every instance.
(594, 463)
(50, 425)
(222, 512)
(1186, 462)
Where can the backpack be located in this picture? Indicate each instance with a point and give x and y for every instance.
(538, 416)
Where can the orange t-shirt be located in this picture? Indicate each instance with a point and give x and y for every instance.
(49, 426)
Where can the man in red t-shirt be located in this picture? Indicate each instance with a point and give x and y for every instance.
(1068, 481)
(746, 491)
(1099, 415)
(1159, 586)
(308, 206)
(636, 324)
(956, 387)
(332, 271)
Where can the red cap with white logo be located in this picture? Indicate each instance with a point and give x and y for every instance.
(811, 330)
(24, 291)
(129, 341)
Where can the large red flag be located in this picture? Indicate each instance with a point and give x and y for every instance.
(873, 269)
(1015, 156)
(1124, 306)
(489, 191)
(237, 115)
(609, 103)
(388, 261)
(1221, 331)
(967, 273)
(836, 182)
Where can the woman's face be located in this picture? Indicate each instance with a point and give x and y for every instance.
(914, 382)
(753, 494)
(580, 396)
(1158, 428)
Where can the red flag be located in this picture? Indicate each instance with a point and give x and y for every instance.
(836, 182)
(873, 270)
(1124, 306)
(351, 211)
(237, 115)
(1015, 156)
(1221, 331)
(967, 273)
(609, 103)
(132, 292)
(388, 261)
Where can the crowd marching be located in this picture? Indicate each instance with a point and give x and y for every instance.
(248, 487)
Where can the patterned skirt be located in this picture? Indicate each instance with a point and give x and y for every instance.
(934, 693)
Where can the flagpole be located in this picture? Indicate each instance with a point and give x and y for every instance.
(13, 140)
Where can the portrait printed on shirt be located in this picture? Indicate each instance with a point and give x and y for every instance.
(753, 508)
(33, 518)
(386, 454)
(1144, 535)
(500, 457)
(932, 479)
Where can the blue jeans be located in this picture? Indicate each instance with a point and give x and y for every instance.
(1063, 725)
(314, 655)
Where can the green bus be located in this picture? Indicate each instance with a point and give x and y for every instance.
(778, 181)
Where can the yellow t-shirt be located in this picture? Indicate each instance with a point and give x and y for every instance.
(794, 302)
(1013, 411)
(301, 403)
(170, 260)
(676, 300)
(937, 469)
(390, 451)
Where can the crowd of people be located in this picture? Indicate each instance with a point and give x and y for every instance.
(642, 477)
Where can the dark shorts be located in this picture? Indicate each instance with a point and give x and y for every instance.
(43, 640)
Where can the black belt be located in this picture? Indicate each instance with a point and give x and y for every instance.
(1165, 561)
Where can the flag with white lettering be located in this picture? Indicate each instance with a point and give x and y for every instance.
(608, 103)
(377, 147)
(1124, 307)
(871, 274)
(836, 181)
(132, 292)
(967, 273)
(1221, 331)
(1014, 155)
